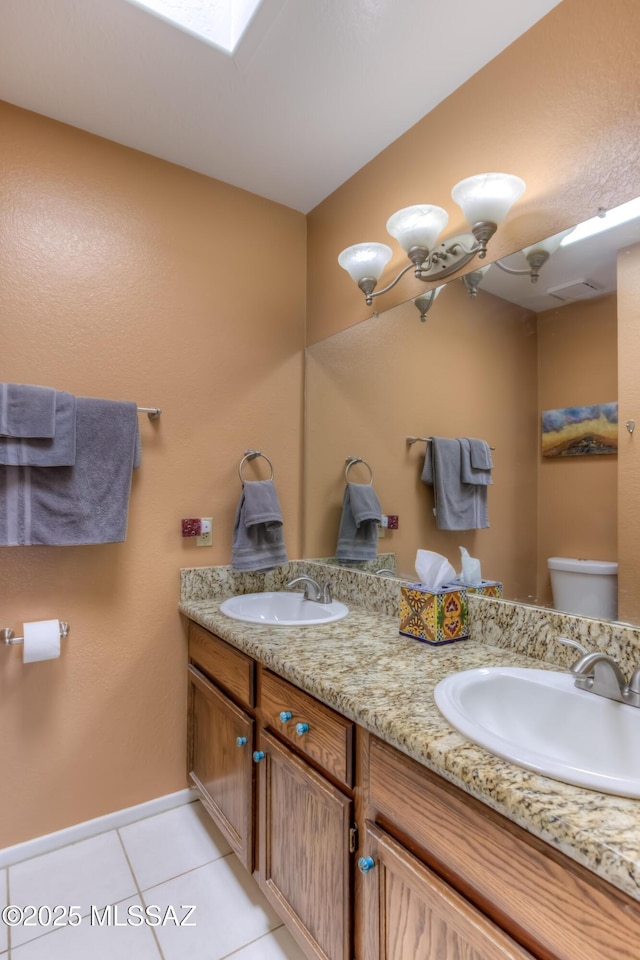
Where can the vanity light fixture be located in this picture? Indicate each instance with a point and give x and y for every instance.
(485, 200)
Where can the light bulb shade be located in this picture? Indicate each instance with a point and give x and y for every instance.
(550, 245)
(487, 197)
(417, 226)
(365, 260)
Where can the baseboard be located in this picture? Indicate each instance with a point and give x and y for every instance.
(90, 828)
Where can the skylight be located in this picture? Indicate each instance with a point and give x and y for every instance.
(611, 218)
(218, 22)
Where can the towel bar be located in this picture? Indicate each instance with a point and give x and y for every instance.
(351, 462)
(153, 412)
(10, 638)
(411, 440)
(251, 455)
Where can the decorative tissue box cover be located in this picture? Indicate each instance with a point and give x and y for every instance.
(486, 588)
(433, 617)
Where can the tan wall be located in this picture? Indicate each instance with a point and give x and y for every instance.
(559, 107)
(577, 496)
(124, 277)
(470, 370)
(629, 450)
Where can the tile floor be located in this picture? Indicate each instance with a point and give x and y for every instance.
(155, 869)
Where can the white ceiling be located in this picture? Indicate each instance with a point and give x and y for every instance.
(315, 89)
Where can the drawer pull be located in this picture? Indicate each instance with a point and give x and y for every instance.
(285, 715)
(302, 728)
(365, 864)
(258, 755)
(241, 741)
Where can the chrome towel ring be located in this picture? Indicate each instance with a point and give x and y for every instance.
(251, 455)
(351, 462)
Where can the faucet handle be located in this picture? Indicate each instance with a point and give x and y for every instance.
(634, 683)
(326, 591)
(569, 642)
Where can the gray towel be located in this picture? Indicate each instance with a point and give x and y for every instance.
(27, 411)
(57, 451)
(361, 516)
(258, 542)
(83, 504)
(476, 462)
(458, 505)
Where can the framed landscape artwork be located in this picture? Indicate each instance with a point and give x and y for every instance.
(579, 431)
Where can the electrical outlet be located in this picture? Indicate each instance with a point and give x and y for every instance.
(381, 531)
(206, 532)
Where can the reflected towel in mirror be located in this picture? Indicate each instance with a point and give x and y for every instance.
(361, 516)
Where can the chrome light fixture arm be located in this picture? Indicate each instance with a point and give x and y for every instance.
(367, 285)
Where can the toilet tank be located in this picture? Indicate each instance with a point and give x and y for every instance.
(588, 588)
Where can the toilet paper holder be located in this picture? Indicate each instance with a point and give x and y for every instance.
(10, 638)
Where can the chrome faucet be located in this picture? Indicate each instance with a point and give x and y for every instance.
(312, 589)
(599, 673)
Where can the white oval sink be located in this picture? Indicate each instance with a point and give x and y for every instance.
(539, 720)
(283, 609)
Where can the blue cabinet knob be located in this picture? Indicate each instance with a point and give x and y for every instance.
(258, 755)
(365, 864)
(285, 715)
(302, 728)
(241, 741)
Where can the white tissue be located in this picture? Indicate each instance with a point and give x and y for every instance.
(433, 569)
(41, 641)
(471, 574)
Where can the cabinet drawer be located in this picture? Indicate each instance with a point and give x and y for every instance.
(539, 896)
(230, 668)
(329, 737)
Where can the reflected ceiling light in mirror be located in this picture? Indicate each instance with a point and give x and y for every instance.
(426, 300)
(485, 200)
(537, 255)
(473, 280)
(604, 221)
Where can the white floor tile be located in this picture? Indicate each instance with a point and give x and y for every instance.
(278, 945)
(171, 843)
(4, 941)
(126, 942)
(230, 911)
(92, 872)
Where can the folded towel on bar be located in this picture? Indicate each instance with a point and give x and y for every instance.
(56, 451)
(457, 505)
(361, 516)
(83, 504)
(476, 461)
(258, 542)
(27, 411)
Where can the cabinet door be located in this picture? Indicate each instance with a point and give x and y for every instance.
(411, 914)
(304, 862)
(219, 762)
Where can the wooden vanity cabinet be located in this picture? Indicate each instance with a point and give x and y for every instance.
(221, 738)
(442, 876)
(412, 913)
(304, 864)
(433, 846)
(269, 761)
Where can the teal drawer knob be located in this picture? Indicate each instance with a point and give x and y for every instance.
(365, 864)
(285, 715)
(258, 755)
(241, 741)
(302, 728)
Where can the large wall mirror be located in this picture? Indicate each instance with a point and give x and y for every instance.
(483, 365)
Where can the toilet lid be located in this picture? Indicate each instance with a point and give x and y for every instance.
(570, 565)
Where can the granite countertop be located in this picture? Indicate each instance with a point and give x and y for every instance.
(364, 669)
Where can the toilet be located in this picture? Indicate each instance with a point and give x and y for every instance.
(588, 588)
